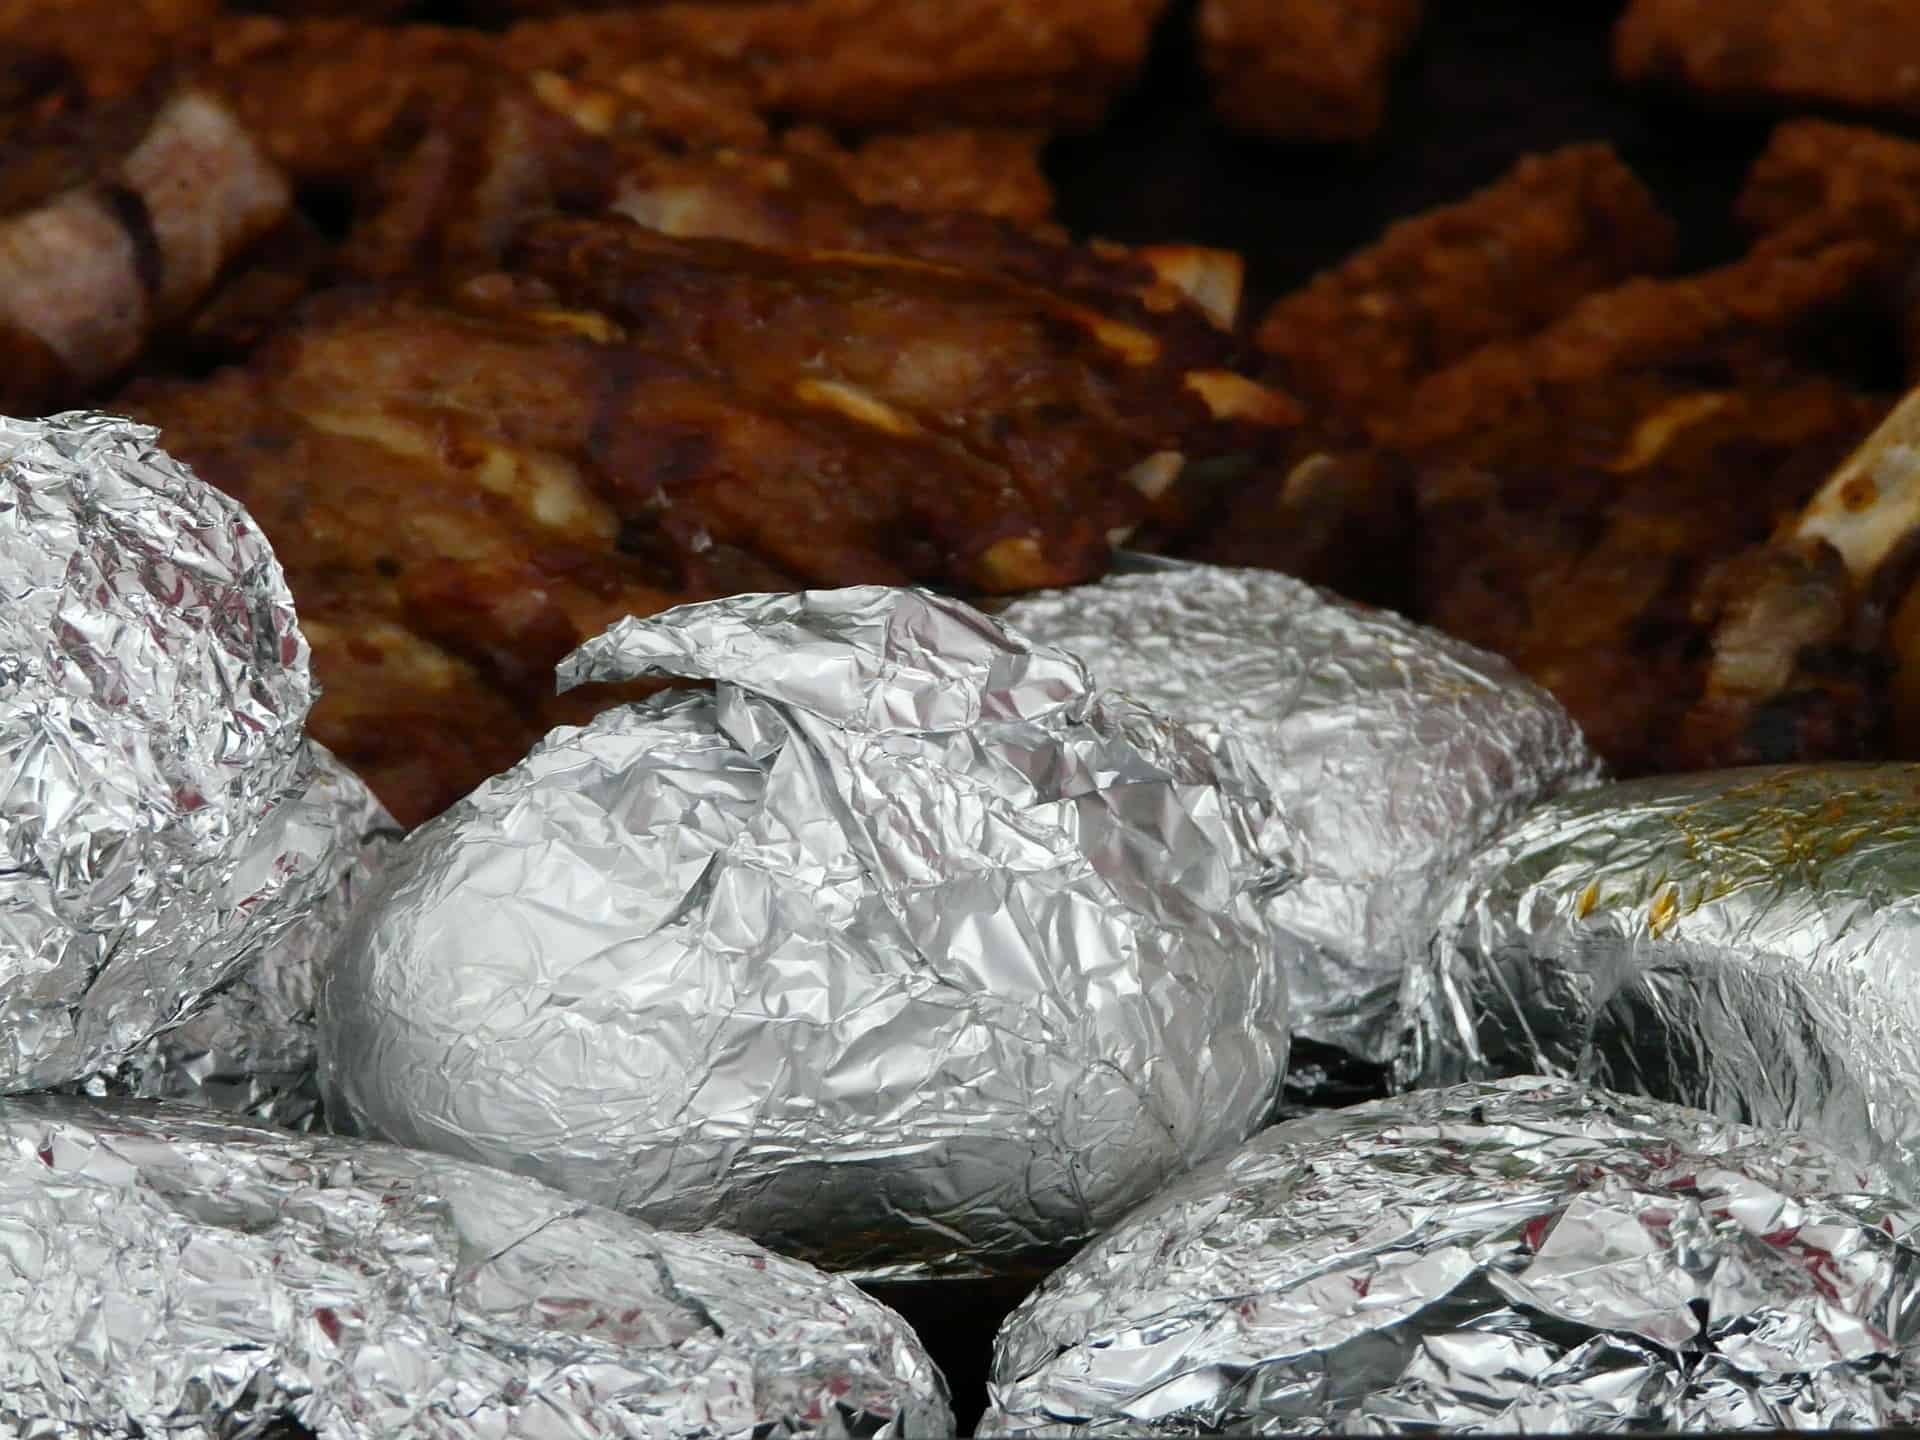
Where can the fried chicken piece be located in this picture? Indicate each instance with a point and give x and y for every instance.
(875, 64)
(1864, 54)
(1304, 69)
(1836, 182)
(104, 49)
(94, 272)
(1588, 540)
(1743, 319)
(1818, 183)
(1497, 266)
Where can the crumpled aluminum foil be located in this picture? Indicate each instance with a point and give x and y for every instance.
(1523, 1257)
(1394, 751)
(163, 1271)
(1747, 941)
(153, 686)
(903, 949)
(252, 1048)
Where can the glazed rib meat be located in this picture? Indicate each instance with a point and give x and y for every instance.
(1304, 69)
(867, 64)
(1864, 54)
(1497, 266)
(464, 485)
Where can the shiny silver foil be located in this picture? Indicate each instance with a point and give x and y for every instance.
(902, 949)
(1746, 941)
(163, 1271)
(1522, 1257)
(153, 686)
(1394, 751)
(252, 1048)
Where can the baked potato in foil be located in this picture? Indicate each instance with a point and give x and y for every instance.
(903, 949)
(163, 1271)
(1744, 941)
(1393, 751)
(1524, 1257)
(153, 690)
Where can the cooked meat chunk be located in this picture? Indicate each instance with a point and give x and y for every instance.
(325, 97)
(1833, 181)
(793, 201)
(940, 349)
(1581, 538)
(1497, 266)
(465, 484)
(875, 64)
(981, 172)
(104, 49)
(93, 272)
(1305, 69)
(1821, 184)
(1746, 318)
(1864, 54)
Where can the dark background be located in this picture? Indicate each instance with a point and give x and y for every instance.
(1487, 82)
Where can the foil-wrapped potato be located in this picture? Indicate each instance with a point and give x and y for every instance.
(1394, 752)
(1743, 941)
(153, 689)
(1525, 1257)
(251, 1047)
(166, 1272)
(903, 949)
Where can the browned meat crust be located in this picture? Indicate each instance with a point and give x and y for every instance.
(1587, 541)
(464, 485)
(1863, 54)
(1305, 69)
(875, 64)
(1497, 266)
(1834, 180)
(1742, 319)
(105, 49)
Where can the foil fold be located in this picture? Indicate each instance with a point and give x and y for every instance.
(903, 949)
(252, 1047)
(163, 1271)
(1745, 941)
(153, 689)
(1519, 1257)
(1393, 751)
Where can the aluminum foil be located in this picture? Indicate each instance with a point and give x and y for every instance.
(1394, 751)
(166, 1272)
(252, 1047)
(902, 949)
(1746, 941)
(1522, 1257)
(153, 686)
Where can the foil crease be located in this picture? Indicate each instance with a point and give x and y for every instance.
(902, 949)
(1746, 941)
(164, 1271)
(153, 686)
(252, 1047)
(1395, 752)
(1519, 1257)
